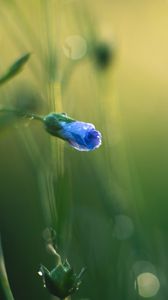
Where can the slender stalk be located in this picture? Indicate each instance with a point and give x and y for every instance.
(19, 113)
(5, 291)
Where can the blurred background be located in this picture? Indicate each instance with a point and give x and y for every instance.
(103, 62)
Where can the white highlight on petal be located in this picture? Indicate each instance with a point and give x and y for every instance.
(75, 47)
(147, 285)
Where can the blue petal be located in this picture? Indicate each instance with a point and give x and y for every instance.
(81, 136)
(93, 139)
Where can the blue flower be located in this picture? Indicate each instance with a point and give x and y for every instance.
(80, 135)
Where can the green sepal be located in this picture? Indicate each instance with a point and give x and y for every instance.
(53, 122)
(61, 281)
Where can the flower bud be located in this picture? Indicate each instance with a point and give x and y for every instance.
(80, 135)
(103, 55)
(61, 281)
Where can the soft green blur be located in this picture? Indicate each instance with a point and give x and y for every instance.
(107, 207)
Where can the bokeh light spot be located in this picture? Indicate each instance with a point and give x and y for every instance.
(75, 47)
(123, 227)
(143, 266)
(147, 285)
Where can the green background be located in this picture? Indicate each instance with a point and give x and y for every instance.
(108, 207)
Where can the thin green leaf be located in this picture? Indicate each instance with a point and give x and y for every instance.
(15, 68)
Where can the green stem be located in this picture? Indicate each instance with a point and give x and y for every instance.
(5, 291)
(19, 113)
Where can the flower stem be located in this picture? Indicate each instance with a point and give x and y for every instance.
(20, 113)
